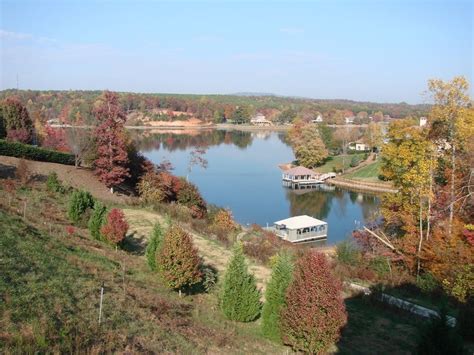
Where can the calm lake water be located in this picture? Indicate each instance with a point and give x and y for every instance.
(243, 175)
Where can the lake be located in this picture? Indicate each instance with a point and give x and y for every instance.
(242, 174)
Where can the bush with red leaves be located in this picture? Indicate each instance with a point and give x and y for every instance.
(315, 311)
(116, 226)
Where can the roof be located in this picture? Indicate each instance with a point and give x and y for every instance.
(299, 170)
(300, 222)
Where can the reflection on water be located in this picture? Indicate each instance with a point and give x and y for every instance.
(243, 175)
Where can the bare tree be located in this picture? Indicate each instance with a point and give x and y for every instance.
(81, 142)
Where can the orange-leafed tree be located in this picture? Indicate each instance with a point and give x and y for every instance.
(178, 260)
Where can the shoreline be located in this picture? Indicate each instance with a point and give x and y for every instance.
(358, 185)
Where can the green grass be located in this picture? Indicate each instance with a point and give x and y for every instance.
(369, 173)
(50, 287)
(337, 162)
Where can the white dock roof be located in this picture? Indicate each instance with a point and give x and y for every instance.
(300, 222)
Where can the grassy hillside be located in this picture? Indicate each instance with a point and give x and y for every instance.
(338, 161)
(366, 173)
(50, 287)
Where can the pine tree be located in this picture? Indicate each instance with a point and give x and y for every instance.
(97, 220)
(240, 298)
(178, 260)
(314, 311)
(78, 204)
(275, 296)
(154, 245)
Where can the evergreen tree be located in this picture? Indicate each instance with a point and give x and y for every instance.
(97, 220)
(154, 245)
(78, 204)
(240, 298)
(314, 312)
(275, 296)
(178, 260)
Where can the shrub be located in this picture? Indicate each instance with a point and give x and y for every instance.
(116, 227)
(275, 296)
(347, 253)
(209, 278)
(53, 184)
(97, 220)
(354, 162)
(78, 204)
(427, 282)
(240, 298)
(463, 284)
(380, 265)
(439, 338)
(20, 150)
(189, 196)
(154, 245)
(178, 260)
(314, 312)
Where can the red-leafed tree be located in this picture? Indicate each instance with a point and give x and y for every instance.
(15, 122)
(178, 260)
(314, 313)
(55, 139)
(116, 227)
(112, 159)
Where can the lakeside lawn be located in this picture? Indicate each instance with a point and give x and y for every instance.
(368, 173)
(337, 162)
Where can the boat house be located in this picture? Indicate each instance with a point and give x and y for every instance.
(300, 177)
(301, 229)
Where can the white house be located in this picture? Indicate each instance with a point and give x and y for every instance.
(350, 119)
(423, 121)
(260, 120)
(318, 119)
(359, 146)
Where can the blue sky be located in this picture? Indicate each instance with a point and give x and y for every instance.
(381, 51)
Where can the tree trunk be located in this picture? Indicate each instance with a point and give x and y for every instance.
(453, 174)
(421, 238)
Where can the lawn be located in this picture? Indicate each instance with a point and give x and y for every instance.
(336, 162)
(367, 173)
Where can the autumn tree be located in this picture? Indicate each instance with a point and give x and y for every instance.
(178, 260)
(115, 228)
(451, 122)
(314, 313)
(373, 135)
(111, 163)
(81, 143)
(307, 145)
(275, 296)
(55, 139)
(15, 122)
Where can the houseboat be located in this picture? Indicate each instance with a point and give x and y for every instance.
(300, 229)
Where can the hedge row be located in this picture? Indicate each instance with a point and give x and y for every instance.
(20, 150)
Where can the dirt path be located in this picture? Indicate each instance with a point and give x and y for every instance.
(79, 178)
(141, 223)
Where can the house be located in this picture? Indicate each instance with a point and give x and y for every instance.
(318, 119)
(300, 178)
(300, 229)
(260, 120)
(359, 146)
(349, 119)
(423, 121)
